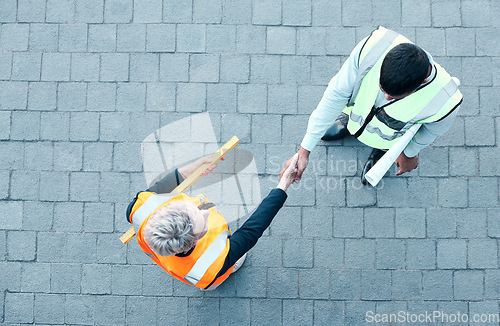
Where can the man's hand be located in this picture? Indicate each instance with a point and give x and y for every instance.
(288, 176)
(186, 170)
(406, 164)
(302, 161)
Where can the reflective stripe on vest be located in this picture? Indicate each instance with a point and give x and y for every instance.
(207, 259)
(148, 207)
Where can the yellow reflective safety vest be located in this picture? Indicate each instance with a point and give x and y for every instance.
(381, 127)
(205, 261)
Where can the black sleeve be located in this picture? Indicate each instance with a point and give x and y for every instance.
(165, 185)
(249, 233)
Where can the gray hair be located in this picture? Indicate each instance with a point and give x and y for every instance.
(169, 230)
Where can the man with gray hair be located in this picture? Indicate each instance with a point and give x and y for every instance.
(189, 238)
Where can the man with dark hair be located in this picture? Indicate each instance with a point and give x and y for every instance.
(386, 86)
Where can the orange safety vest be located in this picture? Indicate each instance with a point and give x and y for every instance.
(206, 260)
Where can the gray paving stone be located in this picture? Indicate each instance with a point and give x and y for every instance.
(68, 156)
(406, 285)
(326, 13)
(266, 311)
(114, 187)
(26, 66)
(451, 254)
(433, 162)
(421, 254)
(72, 38)
(116, 11)
(249, 39)
(328, 253)
(269, 123)
(42, 96)
(476, 71)
(486, 49)
(485, 312)
(37, 216)
(416, 14)
(160, 97)
(21, 245)
(59, 11)
(482, 253)
(282, 283)
(172, 309)
(125, 160)
(432, 40)
(79, 309)
(54, 186)
(12, 154)
(494, 223)
(109, 309)
(4, 184)
(160, 38)
(131, 96)
(111, 251)
(297, 252)
(283, 99)
(101, 97)
(191, 38)
(308, 96)
(97, 279)
(471, 223)
(492, 284)
(43, 37)
(102, 37)
(312, 284)
(379, 223)
(56, 66)
(422, 191)
(22, 185)
(221, 39)
(438, 285)
(359, 195)
(81, 248)
(148, 11)
(410, 223)
(204, 311)
(297, 13)
(11, 217)
(468, 285)
(114, 67)
(348, 222)
(441, 223)
(174, 67)
(455, 136)
(464, 162)
(92, 216)
(15, 37)
(114, 126)
(471, 11)
(154, 280)
(359, 253)
(452, 192)
(390, 254)
(266, 12)
(355, 310)
(487, 135)
(287, 222)
(376, 285)
(459, 42)
(5, 65)
(9, 11)
(483, 192)
(295, 69)
(97, 156)
(141, 310)
(204, 68)
(392, 192)
(144, 67)
(35, 277)
(65, 278)
(51, 247)
(345, 285)
(178, 11)
(54, 126)
(89, 11)
(264, 69)
(317, 222)
(11, 278)
(68, 217)
(235, 68)
(121, 280)
(84, 67)
(19, 307)
(445, 13)
(488, 106)
(13, 95)
(281, 40)
(131, 38)
(191, 97)
(235, 311)
(339, 41)
(298, 311)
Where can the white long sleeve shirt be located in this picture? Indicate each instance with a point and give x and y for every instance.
(335, 99)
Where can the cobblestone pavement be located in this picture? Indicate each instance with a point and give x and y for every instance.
(83, 82)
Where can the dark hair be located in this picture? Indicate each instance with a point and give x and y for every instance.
(404, 68)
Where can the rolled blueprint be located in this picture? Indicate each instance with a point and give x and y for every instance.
(380, 168)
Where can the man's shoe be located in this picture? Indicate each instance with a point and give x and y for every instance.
(372, 159)
(338, 129)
